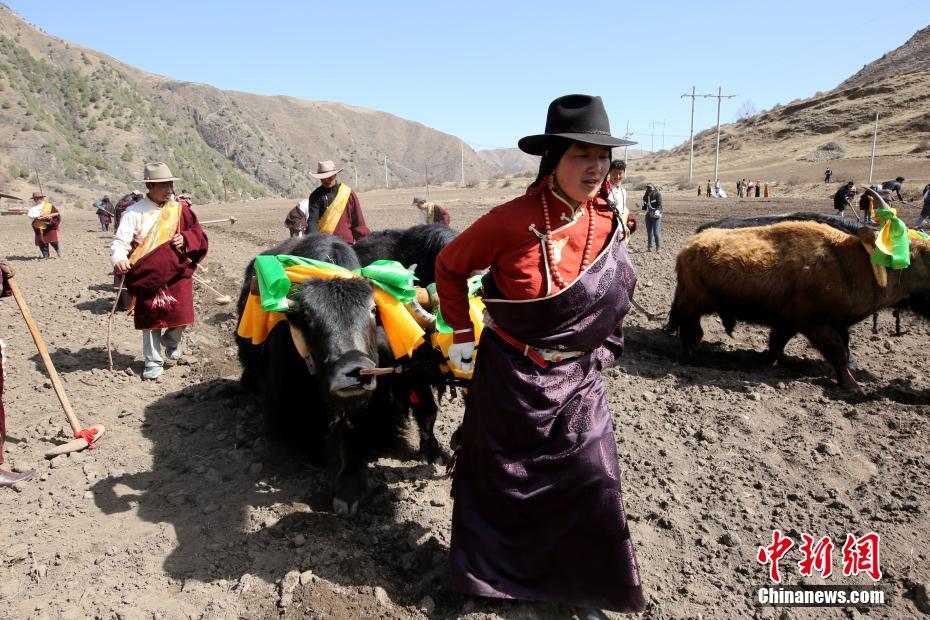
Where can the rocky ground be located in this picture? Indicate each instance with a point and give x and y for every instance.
(187, 511)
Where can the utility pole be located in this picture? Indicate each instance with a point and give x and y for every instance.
(385, 173)
(626, 149)
(691, 156)
(874, 139)
(463, 163)
(426, 167)
(720, 97)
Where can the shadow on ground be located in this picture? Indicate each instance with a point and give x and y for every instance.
(241, 504)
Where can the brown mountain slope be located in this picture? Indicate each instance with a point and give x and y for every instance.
(84, 120)
(912, 57)
(797, 138)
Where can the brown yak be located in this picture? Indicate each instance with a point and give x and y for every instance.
(796, 277)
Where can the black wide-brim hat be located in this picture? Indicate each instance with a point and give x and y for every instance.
(574, 117)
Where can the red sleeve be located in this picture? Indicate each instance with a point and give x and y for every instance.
(472, 250)
(195, 240)
(359, 229)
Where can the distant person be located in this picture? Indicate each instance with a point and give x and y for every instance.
(124, 202)
(867, 204)
(157, 248)
(333, 206)
(618, 196)
(104, 213)
(717, 188)
(297, 218)
(7, 478)
(46, 220)
(766, 191)
(758, 189)
(925, 209)
(828, 176)
(699, 190)
(652, 205)
(894, 186)
(739, 189)
(843, 197)
(431, 213)
(708, 188)
(749, 186)
(185, 198)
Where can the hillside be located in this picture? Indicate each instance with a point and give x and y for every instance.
(796, 139)
(510, 161)
(86, 121)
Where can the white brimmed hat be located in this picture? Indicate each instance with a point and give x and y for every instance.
(325, 169)
(158, 172)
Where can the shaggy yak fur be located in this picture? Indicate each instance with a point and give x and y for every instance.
(794, 276)
(331, 409)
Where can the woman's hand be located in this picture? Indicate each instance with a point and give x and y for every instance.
(461, 356)
(122, 267)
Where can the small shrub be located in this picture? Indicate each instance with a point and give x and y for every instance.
(78, 204)
(923, 147)
(831, 146)
(5, 105)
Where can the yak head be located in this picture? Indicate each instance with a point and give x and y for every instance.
(334, 329)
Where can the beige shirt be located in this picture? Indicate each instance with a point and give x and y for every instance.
(135, 224)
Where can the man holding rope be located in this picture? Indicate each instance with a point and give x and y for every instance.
(157, 248)
(45, 223)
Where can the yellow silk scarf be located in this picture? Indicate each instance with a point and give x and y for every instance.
(169, 219)
(41, 225)
(334, 211)
(403, 333)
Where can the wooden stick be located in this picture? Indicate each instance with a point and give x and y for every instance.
(110, 320)
(222, 299)
(231, 220)
(78, 444)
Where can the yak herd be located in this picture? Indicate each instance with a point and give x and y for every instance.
(803, 274)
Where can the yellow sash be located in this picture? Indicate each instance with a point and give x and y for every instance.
(403, 333)
(41, 225)
(169, 219)
(334, 211)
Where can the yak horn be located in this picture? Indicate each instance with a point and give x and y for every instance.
(292, 304)
(879, 196)
(424, 319)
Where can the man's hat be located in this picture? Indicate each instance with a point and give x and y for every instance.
(158, 172)
(37, 195)
(325, 169)
(575, 117)
(417, 200)
(3, 193)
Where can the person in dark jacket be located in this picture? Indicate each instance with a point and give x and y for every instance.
(828, 176)
(894, 186)
(652, 205)
(925, 210)
(843, 197)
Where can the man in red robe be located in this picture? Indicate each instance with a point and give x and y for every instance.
(46, 221)
(157, 247)
(334, 208)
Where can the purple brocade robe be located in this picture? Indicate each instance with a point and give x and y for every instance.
(538, 512)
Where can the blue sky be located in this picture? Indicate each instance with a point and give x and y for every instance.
(486, 71)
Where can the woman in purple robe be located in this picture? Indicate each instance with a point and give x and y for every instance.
(538, 511)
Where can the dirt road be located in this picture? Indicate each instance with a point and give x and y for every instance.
(187, 511)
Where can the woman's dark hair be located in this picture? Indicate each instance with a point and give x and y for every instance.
(618, 164)
(555, 148)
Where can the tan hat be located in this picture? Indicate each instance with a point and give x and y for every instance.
(37, 195)
(3, 193)
(325, 169)
(158, 172)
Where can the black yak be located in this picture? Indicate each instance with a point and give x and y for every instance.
(418, 245)
(802, 277)
(307, 370)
